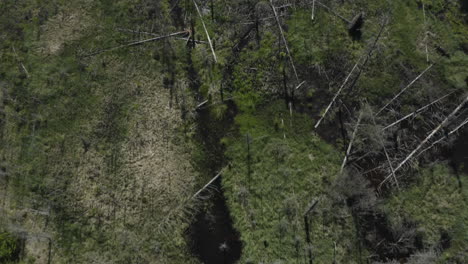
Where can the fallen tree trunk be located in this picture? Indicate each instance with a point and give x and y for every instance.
(206, 31)
(138, 43)
(404, 89)
(351, 143)
(284, 40)
(415, 112)
(441, 125)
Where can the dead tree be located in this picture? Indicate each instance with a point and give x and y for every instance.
(442, 138)
(366, 58)
(434, 132)
(206, 31)
(138, 42)
(284, 40)
(404, 89)
(351, 142)
(416, 112)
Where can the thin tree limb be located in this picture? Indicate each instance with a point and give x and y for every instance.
(351, 142)
(404, 89)
(416, 112)
(206, 31)
(441, 125)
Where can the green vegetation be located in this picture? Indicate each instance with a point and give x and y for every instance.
(103, 142)
(8, 247)
(277, 167)
(438, 205)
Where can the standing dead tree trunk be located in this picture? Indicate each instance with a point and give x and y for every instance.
(206, 31)
(351, 142)
(440, 126)
(404, 89)
(416, 112)
(284, 40)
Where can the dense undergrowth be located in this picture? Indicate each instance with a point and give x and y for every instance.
(103, 144)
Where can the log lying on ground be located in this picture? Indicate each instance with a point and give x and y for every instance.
(404, 89)
(351, 142)
(284, 40)
(138, 43)
(440, 126)
(337, 94)
(416, 112)
(206, 31)
(366, 59)
(442, 138)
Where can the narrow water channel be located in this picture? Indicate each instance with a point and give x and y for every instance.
(212, 236)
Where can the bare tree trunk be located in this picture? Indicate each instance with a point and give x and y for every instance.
(404, 89)
(387, 157)
(416, 112)
(284, 40)
(351, 142)
(137, 43)
(313, 10)
(336, 94)
(206, 31)
(425, 32)
(206, 185)
(441, 125)
(442, 138)
(333, 12)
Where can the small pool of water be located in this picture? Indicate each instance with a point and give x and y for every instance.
(212, 237)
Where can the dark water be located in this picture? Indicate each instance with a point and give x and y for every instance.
(212, 236)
